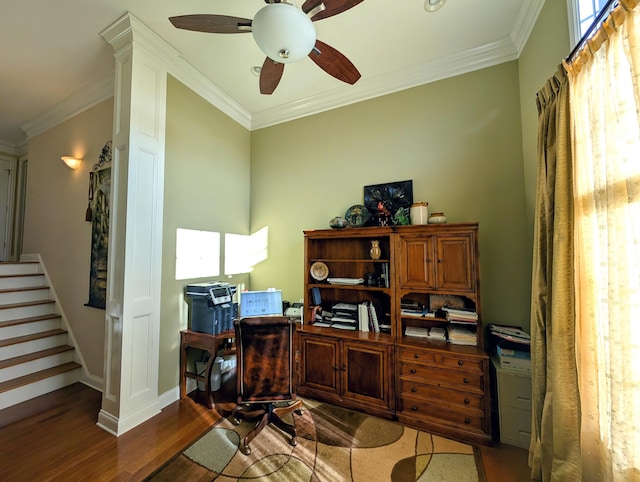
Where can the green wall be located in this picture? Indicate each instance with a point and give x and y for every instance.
(458, 139)
(206, 188)
(547, 45)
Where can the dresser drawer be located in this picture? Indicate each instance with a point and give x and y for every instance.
(515, 426)
(442, 395)
(422, 409)
(443, 359)
(451, 378)
(514, 390)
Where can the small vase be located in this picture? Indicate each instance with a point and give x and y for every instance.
(437, 218)
(375, 250)
(419, 213)
(338, 222)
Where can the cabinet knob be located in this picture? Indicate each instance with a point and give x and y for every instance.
(413, 370)
(467, 421)
(460, 362)
(414, 408)
(344, 368)
(416, 355)
(466, 401)
(466, 380)
(336, 368)
(414, 389)
(441, 261)
(427, 260)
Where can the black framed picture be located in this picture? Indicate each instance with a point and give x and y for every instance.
(389, 203)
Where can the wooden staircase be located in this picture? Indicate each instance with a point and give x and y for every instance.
(36, 352)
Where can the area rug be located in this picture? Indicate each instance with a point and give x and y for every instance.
(334, 444)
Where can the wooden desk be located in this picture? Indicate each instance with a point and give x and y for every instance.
(201, 341)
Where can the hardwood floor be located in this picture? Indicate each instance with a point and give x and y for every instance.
(55, 437)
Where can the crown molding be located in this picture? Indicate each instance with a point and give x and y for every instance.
(11, 149)
(525, 22)
(460, 63)
(73, 105)
(196, 81)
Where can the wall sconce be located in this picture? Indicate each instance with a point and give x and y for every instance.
(433, 5)
(71, 162)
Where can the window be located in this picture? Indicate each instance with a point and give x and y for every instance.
(582, 13)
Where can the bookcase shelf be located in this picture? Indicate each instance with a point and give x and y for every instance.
(389, 374)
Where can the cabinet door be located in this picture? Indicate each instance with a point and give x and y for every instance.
(416, 262)
(366, 373)
(454, 265)
(320, 364)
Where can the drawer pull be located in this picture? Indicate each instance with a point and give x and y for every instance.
(416, 355)
(413, 370)
(414, 408)
(460, 362)
(466, 401)
(523, 399)
(467, 421)
(466, 380)
(414, 389)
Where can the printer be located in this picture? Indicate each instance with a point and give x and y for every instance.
(211, 306)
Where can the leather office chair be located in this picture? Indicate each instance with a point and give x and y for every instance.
(266, 374)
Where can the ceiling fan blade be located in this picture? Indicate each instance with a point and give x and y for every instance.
(334, 63)
(212, 23)
(331, 7)
(270, 76)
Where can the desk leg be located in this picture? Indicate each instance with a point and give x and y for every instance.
(183, 370)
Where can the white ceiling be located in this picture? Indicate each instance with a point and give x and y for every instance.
(51, 50)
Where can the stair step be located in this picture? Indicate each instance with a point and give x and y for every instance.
(34, 356)
(31, 337)
(21, 280)
(24, 295)
(37, 376)
(19, 267)
(30, 319)
(25, 309)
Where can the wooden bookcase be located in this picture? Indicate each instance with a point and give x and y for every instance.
(429, 384)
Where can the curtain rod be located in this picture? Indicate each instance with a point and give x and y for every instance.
(596, 22)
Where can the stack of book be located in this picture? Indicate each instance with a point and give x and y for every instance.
(460, 335)
(433, 333)
(412, 308)
(462, 317)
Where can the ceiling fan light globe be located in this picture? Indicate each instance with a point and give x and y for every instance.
(283, 32)
(433, 5)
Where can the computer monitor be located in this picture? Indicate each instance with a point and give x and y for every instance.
(260, 303)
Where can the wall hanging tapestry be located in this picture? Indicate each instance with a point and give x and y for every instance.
(98, 214)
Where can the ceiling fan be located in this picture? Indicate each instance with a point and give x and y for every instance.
(285, 34)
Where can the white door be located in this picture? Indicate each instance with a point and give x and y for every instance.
(5, 191)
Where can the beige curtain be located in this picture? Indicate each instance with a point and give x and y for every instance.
(605, 109)
(554, 453)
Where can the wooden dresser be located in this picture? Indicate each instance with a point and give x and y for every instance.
(426, 383)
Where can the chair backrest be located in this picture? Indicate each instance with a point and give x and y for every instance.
(266, 359)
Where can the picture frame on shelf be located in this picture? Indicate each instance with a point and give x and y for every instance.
(389, 203)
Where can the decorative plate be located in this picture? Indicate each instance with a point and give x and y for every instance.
(319, 271)
(357, 215)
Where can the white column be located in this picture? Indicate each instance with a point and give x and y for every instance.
(130, 394)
